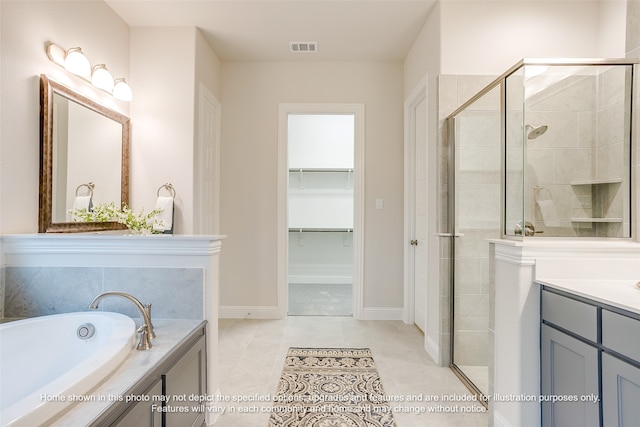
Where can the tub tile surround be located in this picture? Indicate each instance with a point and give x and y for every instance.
(39, 291)
(178, 274)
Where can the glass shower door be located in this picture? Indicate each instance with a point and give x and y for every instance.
(477, 212)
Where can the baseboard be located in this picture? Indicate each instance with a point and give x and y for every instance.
(432, 348)
(211, 417)
(249, 312)
(305, 279)
(271, 312)
(382, 313)
(499, 420)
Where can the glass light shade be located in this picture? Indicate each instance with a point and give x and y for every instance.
(77, 63)
(122, 91)
(102, 78)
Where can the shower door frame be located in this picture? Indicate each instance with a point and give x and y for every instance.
(451, 206)
(450, 125)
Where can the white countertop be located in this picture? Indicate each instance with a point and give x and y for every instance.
(169, 333)
(623, 294)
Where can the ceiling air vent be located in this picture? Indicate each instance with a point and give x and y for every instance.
(303, 47)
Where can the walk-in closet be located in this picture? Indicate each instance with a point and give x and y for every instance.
(320, 214)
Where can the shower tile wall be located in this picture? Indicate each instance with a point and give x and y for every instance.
(175, 293)
(584, 142)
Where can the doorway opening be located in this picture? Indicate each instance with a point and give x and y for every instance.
(320, 198)
(320, 202)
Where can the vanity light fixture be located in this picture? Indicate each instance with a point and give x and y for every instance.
(74, 61)
(122, 91)
(102, 78)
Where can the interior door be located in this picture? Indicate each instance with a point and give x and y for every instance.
(419, 241)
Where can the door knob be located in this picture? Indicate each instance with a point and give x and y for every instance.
(413, 243)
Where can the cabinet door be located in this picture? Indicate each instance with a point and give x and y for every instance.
(142, 414)
(187, 377)
(620, 392)
(569, 368)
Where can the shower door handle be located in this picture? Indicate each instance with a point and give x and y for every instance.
(413, 243)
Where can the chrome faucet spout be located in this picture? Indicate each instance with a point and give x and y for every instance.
(146, 330)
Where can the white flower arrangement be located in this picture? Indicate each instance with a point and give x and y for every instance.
(136, 222)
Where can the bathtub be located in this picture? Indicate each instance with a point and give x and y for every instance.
(51, 362)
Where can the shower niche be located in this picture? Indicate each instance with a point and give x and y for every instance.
(567, 142)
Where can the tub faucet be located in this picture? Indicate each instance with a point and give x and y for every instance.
(146, 330)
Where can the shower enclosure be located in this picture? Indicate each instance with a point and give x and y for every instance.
(542, 151)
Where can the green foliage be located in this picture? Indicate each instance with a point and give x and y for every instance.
(137, 222)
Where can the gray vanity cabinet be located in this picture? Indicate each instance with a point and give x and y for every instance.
(620, 378)
(569, 366)
(620, 392)
(589, 349)
(142, 414)
(165, 391)
(187, 378)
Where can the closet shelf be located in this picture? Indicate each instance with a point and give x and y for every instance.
(597, 181)
(320, 169)
(599, 220)
(321, 192)
(320, 230)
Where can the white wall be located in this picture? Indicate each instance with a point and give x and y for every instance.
(25, 28)
(250, 96)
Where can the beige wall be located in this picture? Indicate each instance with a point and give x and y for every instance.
(167, 65)
(162, 132)
(488, 37)
(250, 97)
(421, 71)
(25, 28)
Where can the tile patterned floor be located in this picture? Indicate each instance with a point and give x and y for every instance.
(252, 354)
(320, 299)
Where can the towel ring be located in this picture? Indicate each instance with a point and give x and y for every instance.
(89, 185)
(167, 187)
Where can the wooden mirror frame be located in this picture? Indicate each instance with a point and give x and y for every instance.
(48, 88)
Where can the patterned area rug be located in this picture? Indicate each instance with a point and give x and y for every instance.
(330, 387)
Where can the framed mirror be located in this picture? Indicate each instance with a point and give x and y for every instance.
(84, 159)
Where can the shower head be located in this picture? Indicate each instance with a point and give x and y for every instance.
(535, 131)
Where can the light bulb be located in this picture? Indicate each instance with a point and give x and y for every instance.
(122, 91)
(102, 78)
(76, 63)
